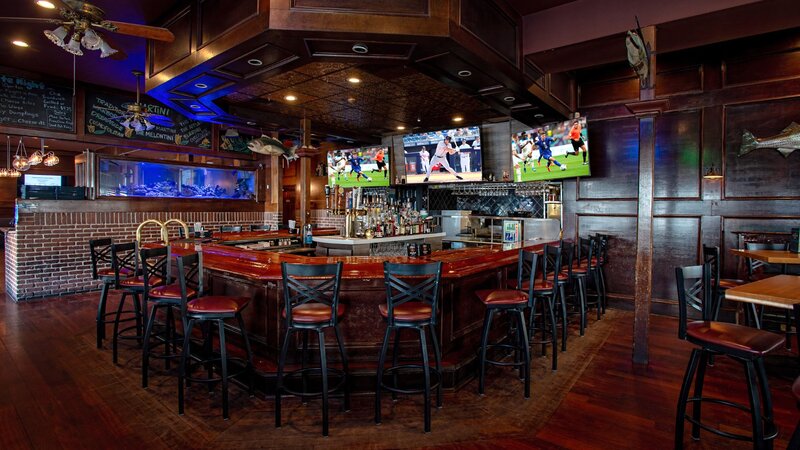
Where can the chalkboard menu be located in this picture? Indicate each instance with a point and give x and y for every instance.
(103, 113)
(35, 104)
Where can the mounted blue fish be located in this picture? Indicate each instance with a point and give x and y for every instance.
(785, 142)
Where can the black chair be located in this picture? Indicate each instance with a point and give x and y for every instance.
(230, 229)
(758, 270)
(566, 279)
(743, 344)
(215, 309)
(601, 255)
(514, 302)
(128, 278)
(719, 285)
(260, 228)
(311, 296)
(103, 270)
(585, 270)
(412, 300)
(547, 289)
(156, 265)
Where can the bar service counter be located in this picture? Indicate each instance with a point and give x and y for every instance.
(257, 275)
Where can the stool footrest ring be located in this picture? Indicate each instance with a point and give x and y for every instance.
(395, 389)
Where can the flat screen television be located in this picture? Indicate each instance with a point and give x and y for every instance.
(42, 180)
(556, 150)
(359, 167)
(444, 156)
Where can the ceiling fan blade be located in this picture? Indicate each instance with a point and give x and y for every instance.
(145, 31)
(30, 20)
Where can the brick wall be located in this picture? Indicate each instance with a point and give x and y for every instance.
(48, 253)
(321, 218)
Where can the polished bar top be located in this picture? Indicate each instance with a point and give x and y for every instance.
(249, 236)
(770, 256)
(361, 241)
(265, 265)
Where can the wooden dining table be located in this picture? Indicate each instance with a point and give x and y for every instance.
(770, 256)
(780, 291)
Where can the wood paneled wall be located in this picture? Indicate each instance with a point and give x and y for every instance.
(714, 94)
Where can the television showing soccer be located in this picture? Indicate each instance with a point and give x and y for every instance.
(557, 150)
(444, 156)
(359, 167)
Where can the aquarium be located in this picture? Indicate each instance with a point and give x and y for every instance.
(123, 178)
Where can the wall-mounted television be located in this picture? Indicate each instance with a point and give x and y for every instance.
(42, 180)
(444, 156)
(359, 167)
(556, 150)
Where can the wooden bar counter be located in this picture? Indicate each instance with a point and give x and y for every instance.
(257, 275)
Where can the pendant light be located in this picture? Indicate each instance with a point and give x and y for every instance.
(38, 156)
(21, 162)
(8, 171)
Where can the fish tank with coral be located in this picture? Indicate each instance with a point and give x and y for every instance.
(124, 178)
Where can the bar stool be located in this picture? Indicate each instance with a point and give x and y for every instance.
(719, 285)
(156, 267)
(216, 308)
(412, 300)
(511, 301)
(311, 296)
(601, 253)
(585, 269)
(548, 291)
(103, 270)
(743, 344)
(567, 279)
(128, 278)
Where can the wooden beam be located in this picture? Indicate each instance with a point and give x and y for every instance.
(305, 173)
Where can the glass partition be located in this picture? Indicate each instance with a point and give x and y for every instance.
(123, 178)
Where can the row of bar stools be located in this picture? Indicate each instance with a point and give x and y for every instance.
(311, 295)
(601, 255)
(208, 309)
(103, 270)
(125, 260)
(510, 301)
(575, 280)
(412, 298)
(585, 270)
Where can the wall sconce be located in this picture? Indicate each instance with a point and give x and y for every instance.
(712, 174)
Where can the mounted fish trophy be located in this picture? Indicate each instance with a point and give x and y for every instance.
(266, 145)
(785, 142)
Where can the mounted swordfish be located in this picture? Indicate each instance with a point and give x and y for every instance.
(785, 142)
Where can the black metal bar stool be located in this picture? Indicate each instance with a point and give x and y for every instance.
(719, 285)
(311, 295)
(547, 290)
(601, 256)
(103, 270)
(743, 344)
(412, 299)
(584, 270)
(156, 265)
(564, 281)
(128, 278)
(216, 308)
(511, 301)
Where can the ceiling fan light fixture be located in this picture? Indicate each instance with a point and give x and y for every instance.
(20, 43)
(51, 159)
(106, 50)
(147, 125)
(91, 40)
(36, 158)
(57, 36)
(74, 45)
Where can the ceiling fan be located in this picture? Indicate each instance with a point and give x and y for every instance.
(79, 25)
(137, 118)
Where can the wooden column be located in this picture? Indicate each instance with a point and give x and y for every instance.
(305, 152)
(646, 109)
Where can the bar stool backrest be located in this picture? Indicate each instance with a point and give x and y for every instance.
(124, 257)
(231, 229)
(412, 283)
(567, 257)
(601, 248)
(551, 263)
(190, 276)
(311, 283)
(260, 228)
(711, 257)
(100, 251)
(526, 271)
(155, 263)
(694, 291)
(586, 252)
(755, 266)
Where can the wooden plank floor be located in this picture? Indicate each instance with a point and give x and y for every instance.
(57, 391)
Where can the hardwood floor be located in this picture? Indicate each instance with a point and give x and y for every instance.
(58, 391)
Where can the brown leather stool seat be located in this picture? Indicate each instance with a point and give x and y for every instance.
(109, 272)
(502, 296)
(217, 304)
(170, 291)
(314, 312)
(138, 281)
(733, 338)
(728, 283)
(408, 312)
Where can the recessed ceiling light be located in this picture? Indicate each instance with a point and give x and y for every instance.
(251, 123)
(46, 4)
(254, 62)
(45, 146)
(195, 106)
(19, 43)
(457, 119)
(360, 48)
(201, 86)
(400, 128)
(509, 99)
(354, 80)
(290, 98)
(351, 100)
(464, 73)
(538, 115)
